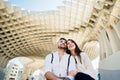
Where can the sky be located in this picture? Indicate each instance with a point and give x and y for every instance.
(37, 5)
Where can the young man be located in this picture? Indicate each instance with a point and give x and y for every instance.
(60, 65)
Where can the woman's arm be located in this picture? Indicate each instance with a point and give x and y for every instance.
(87, 62)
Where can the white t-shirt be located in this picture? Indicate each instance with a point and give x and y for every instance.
(59, 67)
(86, 66)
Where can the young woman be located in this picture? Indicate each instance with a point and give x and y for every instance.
(85, 70)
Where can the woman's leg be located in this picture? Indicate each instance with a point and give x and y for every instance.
(83, 76)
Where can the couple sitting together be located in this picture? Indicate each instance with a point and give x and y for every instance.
(68, 63)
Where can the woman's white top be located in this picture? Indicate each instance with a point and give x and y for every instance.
(59, 67)
(86, 66)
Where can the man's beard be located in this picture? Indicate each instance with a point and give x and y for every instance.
(62, 47)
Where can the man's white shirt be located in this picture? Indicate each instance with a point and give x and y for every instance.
(59, 66)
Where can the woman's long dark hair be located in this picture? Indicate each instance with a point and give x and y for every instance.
(77, 49)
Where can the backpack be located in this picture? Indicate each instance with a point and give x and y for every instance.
(67, 64)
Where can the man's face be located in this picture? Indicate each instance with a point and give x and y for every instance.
(62, 44)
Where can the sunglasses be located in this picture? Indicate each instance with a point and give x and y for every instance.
(63, 41)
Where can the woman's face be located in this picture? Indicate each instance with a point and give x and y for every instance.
(70, 45)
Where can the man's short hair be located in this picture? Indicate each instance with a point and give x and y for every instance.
(63, 39)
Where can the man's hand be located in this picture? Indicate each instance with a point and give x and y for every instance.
(66, 78)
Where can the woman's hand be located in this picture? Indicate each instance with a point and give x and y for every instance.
(59, 79)
(72, 73)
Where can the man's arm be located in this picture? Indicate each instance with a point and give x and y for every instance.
(48, 69)
(51, 76)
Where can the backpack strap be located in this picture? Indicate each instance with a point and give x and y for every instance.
(75, 60)
(52, 58)
(68, 64)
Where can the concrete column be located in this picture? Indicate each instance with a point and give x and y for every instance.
(105, 48)
(117, 28)
(85, 34)
(114, 40)
(3, 61)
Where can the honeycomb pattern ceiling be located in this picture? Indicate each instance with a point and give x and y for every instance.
(29, 33)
